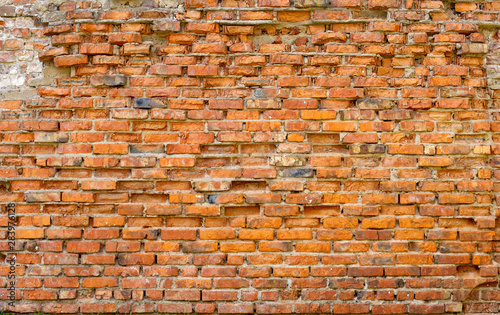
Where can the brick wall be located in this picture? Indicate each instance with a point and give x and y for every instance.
(241, 156)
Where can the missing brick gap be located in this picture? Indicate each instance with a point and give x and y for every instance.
(4, 185)
(449, 7)
(468, 271)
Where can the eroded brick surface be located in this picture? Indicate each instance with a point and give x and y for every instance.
(236, 156)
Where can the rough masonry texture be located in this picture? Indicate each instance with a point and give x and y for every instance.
(251, 156)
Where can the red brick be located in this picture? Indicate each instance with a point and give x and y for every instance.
(68, 61)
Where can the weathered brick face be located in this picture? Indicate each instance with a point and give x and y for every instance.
(241, 156)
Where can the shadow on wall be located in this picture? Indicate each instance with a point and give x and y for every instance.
(482, 298)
